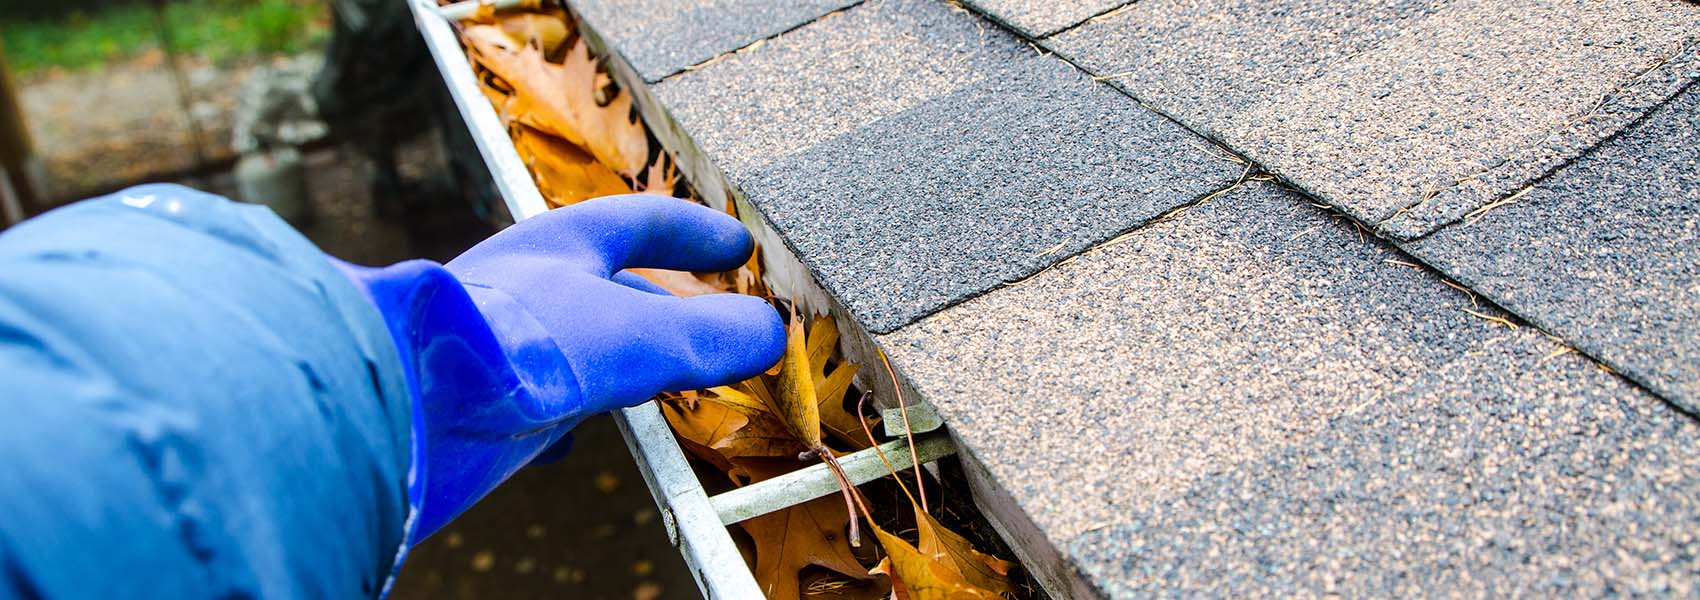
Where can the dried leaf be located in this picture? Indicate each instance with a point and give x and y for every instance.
(547, 31)
(561, 99)
(916, 576)
(811, 533)
(831, 389)
(978, 568)
(945, 566)
(794, 398)
(679, 283)
(660, 178)
(730, 430)
(843, 425)
(564, 173)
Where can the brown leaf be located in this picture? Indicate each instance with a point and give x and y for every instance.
(679, 283)
(729, 428)
(560, 99)
(811, 533)
(660, 178)
(564, 173)
(831, 389)
(834, 418)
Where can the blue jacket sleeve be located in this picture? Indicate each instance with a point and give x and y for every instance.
(193, 403)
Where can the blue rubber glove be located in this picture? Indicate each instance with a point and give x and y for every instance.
(512, 343)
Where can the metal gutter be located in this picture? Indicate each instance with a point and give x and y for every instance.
(696, 523)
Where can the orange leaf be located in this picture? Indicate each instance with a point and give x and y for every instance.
(977, 568)
(564, 173)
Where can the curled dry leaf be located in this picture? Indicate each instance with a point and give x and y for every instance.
(724, 425)
(560, 99)
(945, 566)
(564, 173)
(794, 399)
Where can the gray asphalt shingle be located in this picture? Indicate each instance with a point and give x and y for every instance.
(1605, 252)
(1405, 113)
(914, 157)
(1040, 18)
(1255, 397)
(662, 37)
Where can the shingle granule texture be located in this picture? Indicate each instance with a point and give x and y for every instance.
(662, 37)
(914, 156)
(1404, 113)
(1254, 398)
(1040, 18)
(1604, 253)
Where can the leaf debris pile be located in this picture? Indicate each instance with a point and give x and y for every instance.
(581, 137)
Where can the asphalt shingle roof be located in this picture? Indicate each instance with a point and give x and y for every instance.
(951, 157)
(1252, 398)
(1605, 253)
(663, 37)
(1405, 113)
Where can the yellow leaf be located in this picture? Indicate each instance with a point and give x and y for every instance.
(837, 421)
(917, 576)
(794, 398)
(977, 568)
(945, 566)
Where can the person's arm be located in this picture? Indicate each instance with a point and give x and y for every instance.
(198, 403)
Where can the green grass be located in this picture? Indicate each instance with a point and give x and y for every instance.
(218, 30)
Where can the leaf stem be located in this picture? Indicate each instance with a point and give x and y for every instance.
(908, 432)
(876, 446)
(852, 500)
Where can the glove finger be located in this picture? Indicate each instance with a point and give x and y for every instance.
(637, 282)
(633, 230)
(675, 344)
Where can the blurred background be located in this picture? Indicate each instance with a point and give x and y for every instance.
(332, 114)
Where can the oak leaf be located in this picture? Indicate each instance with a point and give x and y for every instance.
(561, 99)
(945, 566)
(811, 533)
(564, 173)
(726, 429)
(830, 389)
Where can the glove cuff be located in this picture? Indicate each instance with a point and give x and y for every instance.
(491, 389)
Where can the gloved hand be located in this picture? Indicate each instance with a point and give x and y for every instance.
(515, 341)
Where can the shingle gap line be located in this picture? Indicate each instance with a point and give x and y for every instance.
(698, 66)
